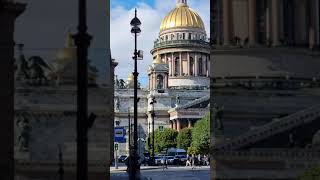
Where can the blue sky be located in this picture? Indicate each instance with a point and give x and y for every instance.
(151, 13)
(129, 3)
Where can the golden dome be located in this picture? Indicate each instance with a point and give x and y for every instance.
(130, 78)
(68, 53)
(181, 17)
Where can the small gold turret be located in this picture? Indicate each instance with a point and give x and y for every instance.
(157, 60)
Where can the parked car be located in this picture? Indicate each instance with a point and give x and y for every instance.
(157, 160)
(170, 160)
(180, 159)
(121, 158)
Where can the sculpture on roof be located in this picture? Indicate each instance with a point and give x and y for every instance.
(38, 68)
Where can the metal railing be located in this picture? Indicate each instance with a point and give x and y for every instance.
(273, 127)
(158, 44)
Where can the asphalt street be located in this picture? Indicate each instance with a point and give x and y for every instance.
(175, 173)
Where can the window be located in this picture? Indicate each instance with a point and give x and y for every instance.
(189, 37)
(159, 82)
(184, 36)
(172, 36)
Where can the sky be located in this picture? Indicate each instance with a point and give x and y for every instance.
(43, 26)
(151, 13)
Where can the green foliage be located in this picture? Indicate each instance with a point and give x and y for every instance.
(164, 139)
(312, 174)
(184, 138)
(192, 150)
(201, 135)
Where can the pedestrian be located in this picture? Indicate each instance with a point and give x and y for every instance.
(193, 161)
(199, 160)
(188, 162)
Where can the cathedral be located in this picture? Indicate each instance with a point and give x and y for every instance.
(178, 78)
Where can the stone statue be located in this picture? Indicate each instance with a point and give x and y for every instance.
(117, 83)
(177, 100)
(117, 104)
(24, 67)
(218, 119)
(122, 84)
(38, 66)
(159, 82)
(24, 135)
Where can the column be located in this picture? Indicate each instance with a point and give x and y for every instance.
(165, 58)
(268, 24)
(252, 22)
(312, 19)
(275, 22)
(172, 65)
(9, 11)
(196, 65)
(189, 123)
(317, 16)
(226, 21)
(180, 64)
(174, 124)
(209, 65)
(204, 65)
(169, 63)
(178, 125)
(188, 66)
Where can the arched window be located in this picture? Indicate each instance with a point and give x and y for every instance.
(176, 67)
(200, 66)
(191, 65)
(159, 82)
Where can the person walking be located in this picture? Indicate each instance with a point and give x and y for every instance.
(188, 162)
(199, 160)
(193, 158)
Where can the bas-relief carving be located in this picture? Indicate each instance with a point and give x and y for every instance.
(23, 137)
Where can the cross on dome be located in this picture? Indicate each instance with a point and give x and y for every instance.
(182, 3)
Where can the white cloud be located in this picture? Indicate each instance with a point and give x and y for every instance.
(122, 41)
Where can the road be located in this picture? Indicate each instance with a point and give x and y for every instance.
(176, 173)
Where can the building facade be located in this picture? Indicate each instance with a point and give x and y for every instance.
(265, 79)
(178, 78)
(45, 116)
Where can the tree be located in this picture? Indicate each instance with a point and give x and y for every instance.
(201, 135)
(192, 150)
(163, 139)
(184, 138)
(312, 174)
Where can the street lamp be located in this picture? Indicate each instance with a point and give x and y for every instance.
(134, 168)
(153, 101)
(82, 40)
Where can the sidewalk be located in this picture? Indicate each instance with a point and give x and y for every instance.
(124, 168)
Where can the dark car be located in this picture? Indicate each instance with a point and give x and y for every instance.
(121, 158)
(180, 160)
(170, 160)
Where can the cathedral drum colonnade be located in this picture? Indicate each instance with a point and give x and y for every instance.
(183, 45)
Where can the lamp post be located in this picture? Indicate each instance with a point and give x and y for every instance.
(82, 41)
(153, 101)
(135, 23)
(61, 171)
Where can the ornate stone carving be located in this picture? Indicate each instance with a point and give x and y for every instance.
(24, 135)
